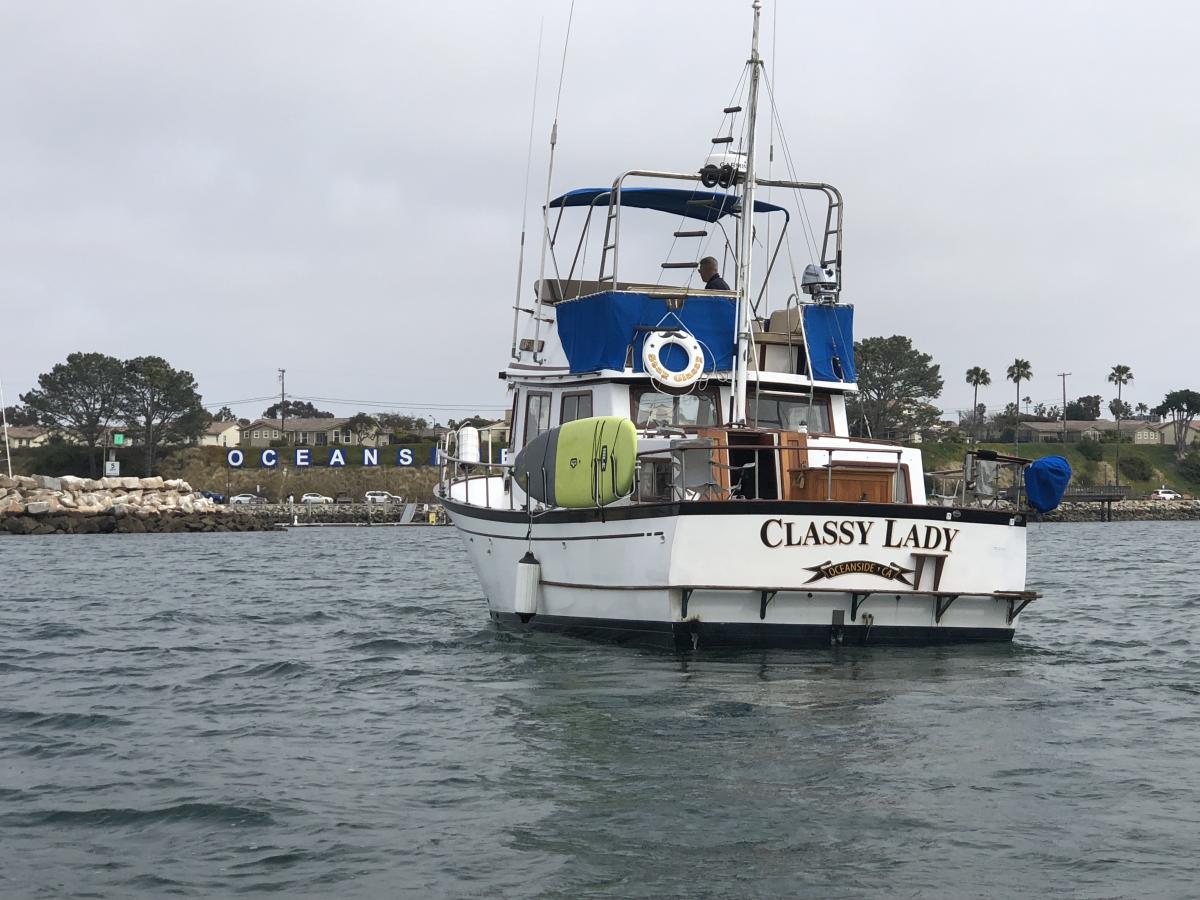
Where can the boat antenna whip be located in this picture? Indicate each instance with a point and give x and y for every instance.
(537, 71)
(744, 339)
(537, 318)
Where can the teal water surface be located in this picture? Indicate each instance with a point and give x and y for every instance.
(328, 713)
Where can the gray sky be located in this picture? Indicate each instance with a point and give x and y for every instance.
(336, 188)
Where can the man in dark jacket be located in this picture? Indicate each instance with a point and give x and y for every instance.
(710, 275)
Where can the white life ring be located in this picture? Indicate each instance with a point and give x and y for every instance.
(652, 358)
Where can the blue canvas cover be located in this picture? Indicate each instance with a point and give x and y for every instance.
(597, 331)
(706, 205)
(1046, 481)
(829, 330)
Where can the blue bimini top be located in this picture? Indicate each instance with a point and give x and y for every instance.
(706, 205)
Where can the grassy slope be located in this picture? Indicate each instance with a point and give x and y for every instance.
(1162, 459)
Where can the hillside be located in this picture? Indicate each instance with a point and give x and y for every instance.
(1160, 459)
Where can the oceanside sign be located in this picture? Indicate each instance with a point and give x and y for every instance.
(333, 457)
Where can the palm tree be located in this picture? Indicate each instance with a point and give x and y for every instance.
(1120, 376)
(977, 377)
(1019, 371)
(1142, 409)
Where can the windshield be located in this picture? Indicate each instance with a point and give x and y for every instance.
(688, 411)
(788, 413)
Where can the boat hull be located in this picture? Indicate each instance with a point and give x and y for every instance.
(756, 574)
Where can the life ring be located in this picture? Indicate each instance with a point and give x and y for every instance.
(652, 358)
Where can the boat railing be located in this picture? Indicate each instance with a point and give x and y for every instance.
(703, 469)
(454, 470)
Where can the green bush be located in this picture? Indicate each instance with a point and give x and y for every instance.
(1136, 468)
(1189, 466)
(1091, 450)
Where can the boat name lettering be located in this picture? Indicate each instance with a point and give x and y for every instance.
(890, 571)
(856, 532)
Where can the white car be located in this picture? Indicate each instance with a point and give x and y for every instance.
(316, 498)
(244, 499)
(381, 497)
(1165, 494)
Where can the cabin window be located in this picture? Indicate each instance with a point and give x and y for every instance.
(537, 415)
(651, 408)
(788, 413)
(576, 405)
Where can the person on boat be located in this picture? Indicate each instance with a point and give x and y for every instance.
(711, 275)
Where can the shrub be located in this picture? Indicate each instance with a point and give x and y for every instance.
(1091, 450)
(1189, 467)
(1136, 468)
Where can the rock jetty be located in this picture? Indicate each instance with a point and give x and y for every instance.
(40, 504)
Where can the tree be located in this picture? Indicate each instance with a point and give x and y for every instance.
(224, 414)
(1085, 408)
(1019, 371)
(1120, 376)
(1142, 409)
(79, 397)
(160, 404)
(1040, 410)
(362, 425)
(1182, 406)
(1120, 409)
(296, 409)
(397, 423)
(895, 383)
(20, 415)
(977, 377)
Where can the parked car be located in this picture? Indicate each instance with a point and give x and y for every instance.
(1165, 494)
(213, 496)
(381, 497)
(247, 498)
(316, 498)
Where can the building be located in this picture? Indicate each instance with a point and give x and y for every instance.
(24, 436)
(221, 434)
(1086, 430)
(1166, 433)
(329, 432)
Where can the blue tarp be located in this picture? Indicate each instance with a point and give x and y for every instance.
(830, 333)
(1046, 481)
(705, 205)
(597, 331)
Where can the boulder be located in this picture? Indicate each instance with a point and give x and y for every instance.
(5, 482)
(24, 482)
(92, 484)
(186, 505)
(37, 508)
(67, 500)
(71, 483)
(47, 483)
(132, 483)
(152, 484)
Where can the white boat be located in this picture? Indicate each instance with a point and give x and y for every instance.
(754, 519)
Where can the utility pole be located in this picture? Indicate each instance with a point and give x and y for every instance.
(4, 422)
(282, 404)
(1063, 376)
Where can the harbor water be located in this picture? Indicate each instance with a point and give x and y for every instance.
(329, 713)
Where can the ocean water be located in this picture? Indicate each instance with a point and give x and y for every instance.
(328, 713)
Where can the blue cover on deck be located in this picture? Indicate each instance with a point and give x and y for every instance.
(829, 330)
(597, 331)
(706, 205)
(1046, 481)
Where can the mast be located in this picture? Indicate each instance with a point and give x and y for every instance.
(746, 242)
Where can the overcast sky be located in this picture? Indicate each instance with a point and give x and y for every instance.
(336, 188)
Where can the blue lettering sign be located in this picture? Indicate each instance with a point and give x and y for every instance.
(404, 456)
(435, 456)
(269, 459)
(302, 456)
(370, 456)
(337, 457)
(235, 458)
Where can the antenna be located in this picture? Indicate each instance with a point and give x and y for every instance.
(744, 339)
(537, 318)
(525, 193)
